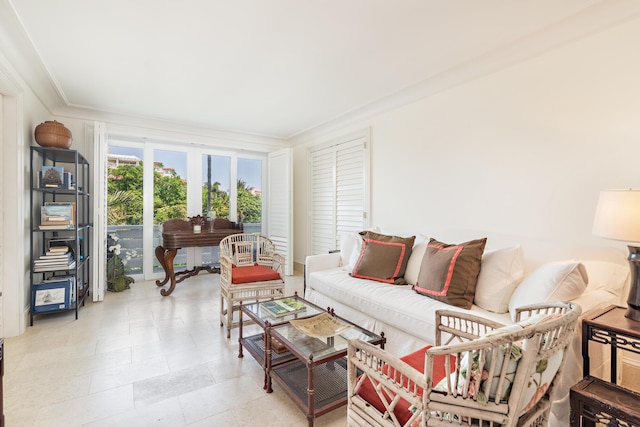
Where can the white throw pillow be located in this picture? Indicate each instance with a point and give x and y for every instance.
(552, 282)
(606, 275)
(350, 244)
(415, 260)
(500, 273)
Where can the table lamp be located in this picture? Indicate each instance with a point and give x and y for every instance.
(618, 217)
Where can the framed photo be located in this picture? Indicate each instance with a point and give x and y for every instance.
(61, 213)
(51, 295)
(51, 177)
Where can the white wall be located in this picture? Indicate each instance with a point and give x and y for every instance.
(22, 110)
(522, 151)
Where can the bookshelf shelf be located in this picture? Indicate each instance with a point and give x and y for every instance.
(60, 218)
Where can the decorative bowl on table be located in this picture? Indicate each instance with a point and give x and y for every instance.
(321, 326)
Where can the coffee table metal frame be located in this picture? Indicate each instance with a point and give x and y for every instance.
(315, 396)
(257, 344)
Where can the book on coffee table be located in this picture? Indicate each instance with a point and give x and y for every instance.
(283, 306)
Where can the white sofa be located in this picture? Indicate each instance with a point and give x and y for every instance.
(523, 266)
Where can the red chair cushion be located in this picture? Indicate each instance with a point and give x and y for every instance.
(416, 361)
(252, 273)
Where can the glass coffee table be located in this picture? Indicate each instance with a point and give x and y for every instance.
(315, 378)
(261, 314)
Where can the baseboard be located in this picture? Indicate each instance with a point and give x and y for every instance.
(298, 268)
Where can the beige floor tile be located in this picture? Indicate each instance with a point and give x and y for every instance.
(141, 359)
(166, 413)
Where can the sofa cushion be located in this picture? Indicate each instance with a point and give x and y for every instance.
(610, 276)
(449, 272)
(383, 258)
(501, 271)
(551, 282)
(416, 361)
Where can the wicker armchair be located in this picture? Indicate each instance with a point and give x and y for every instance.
(511, 371)
(250, 270)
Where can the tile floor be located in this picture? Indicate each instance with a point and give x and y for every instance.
(141, 359)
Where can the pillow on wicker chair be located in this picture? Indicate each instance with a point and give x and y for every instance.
(416, 361)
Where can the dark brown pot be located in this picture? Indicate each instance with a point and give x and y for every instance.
(53, 134)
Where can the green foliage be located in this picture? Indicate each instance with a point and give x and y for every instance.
(124, 198)
(169, 190)
(249, 205)
(219, 201)
(124, 195)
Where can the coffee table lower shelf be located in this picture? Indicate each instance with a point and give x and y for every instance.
(329, 388)
(255, 346)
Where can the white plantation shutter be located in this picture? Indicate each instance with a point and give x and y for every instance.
(338, 192)
(349, 188)
(322, 207)
(280, 195)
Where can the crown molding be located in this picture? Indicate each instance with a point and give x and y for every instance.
(597, 18)
(163, 130)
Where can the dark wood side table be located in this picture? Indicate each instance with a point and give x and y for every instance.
(177, 234)
(594, 400)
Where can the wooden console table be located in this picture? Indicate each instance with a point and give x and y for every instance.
(593, 400)
(178, 233)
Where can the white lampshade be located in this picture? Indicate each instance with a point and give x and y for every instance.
(618, 215)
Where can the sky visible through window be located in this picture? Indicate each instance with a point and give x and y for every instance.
(178, 160)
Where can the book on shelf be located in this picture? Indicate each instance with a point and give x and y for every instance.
(55, 254)
(54, 267)
(283, 306)
(56, 227)
(62, 256)
(61, 244)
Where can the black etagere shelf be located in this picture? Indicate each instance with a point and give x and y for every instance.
(60, 277)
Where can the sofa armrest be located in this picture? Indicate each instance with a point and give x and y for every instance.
(320, 262)
(461, 326)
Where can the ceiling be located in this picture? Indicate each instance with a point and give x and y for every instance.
(276, 68)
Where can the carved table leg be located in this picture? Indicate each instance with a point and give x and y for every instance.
(160, 254)
(169, 256)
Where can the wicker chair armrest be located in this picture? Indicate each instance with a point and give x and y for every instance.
(398, 377)
(278, 263)
(461, 326)
(226, 264)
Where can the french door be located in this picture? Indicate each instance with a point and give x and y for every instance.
(149, 183)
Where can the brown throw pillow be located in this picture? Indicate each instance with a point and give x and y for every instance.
(383, 258)
(449, 273)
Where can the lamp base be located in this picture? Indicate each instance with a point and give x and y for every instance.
(633, 313)
(633, 301)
